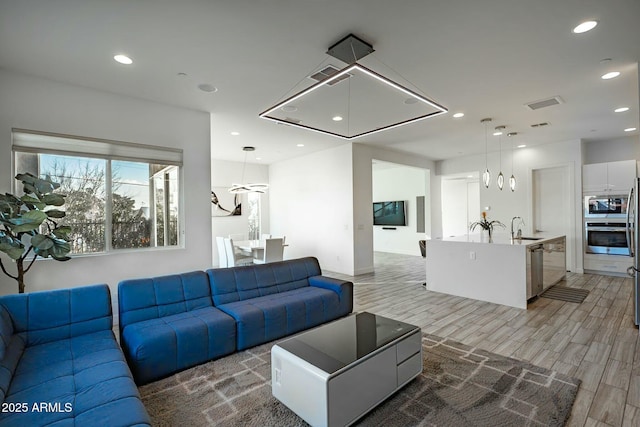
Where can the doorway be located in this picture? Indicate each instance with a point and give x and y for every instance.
(552, 205)
(460, 203)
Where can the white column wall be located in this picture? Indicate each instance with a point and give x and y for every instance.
(311, 203)
(43, 105)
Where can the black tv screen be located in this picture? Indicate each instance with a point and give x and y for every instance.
(389, 213)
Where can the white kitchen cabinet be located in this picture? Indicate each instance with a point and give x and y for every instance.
(608, 178)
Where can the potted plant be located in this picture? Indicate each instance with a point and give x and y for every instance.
(487, 225)
(29, 227)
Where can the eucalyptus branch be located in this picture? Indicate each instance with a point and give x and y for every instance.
(6, 272)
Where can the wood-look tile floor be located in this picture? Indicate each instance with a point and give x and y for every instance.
(595, 341)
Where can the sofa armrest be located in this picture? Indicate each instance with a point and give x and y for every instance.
(343, 288)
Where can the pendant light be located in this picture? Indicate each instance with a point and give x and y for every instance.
(244, 187)
(500, 179)
(512, 180)
(486, 175)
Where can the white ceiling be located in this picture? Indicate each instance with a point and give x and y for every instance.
(484, 58)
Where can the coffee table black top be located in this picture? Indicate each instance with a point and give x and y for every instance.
(335, 345)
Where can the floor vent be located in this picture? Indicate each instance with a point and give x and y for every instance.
(328, 71)
(564, 293)
(543, 103)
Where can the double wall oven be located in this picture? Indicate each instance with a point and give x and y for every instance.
(605, 224)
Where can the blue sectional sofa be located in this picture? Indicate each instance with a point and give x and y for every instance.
(171, 323)
(270, 301)
(60, 364)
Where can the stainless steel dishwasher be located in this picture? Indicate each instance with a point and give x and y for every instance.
(534, 270)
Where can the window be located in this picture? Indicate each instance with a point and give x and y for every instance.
(253, 200)
(112, 202)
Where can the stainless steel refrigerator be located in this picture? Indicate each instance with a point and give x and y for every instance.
(633, 208)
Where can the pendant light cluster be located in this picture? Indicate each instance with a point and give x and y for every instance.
(486, 175)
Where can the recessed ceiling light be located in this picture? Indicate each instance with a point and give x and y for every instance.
(522, 145)
(123, 59)
(337, 118)
(182, 74)
(206, 87)
(410, 101)
(611, 75)
(458, 115)
(258, 158)
(289, 108)
(630, 129)
(621, 110)
(469, 176)
(300, 145)
(585, 26)
(235, 133)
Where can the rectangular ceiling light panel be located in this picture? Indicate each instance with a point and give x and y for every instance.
(364, 103)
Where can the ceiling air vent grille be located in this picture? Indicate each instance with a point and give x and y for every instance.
(290, 120)
(540, 125)
(328, 71)
(543, 103)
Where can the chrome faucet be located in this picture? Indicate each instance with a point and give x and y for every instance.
(519, 235)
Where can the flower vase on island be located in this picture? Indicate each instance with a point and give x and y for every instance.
(486, 234)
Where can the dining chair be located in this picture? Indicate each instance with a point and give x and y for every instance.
(237, 238)
(273, 250)
(222, 252)
(423, 252)
(233, 258)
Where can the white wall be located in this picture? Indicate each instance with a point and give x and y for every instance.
(505, 204)
(612, 150)
(399, 183)
(224, 173)
(43, 105)
(311, 203)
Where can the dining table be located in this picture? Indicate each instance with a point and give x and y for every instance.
(253, 247)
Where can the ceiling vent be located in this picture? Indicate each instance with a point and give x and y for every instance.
(290, 120)
(543, 103)
(326, 72)
(540, 125)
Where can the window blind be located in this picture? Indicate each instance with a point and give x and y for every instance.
(41, 142)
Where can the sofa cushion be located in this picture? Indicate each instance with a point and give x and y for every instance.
(47, 316)
(80, 376)
(269, 317)
(151, 298)
(161, 346)
(242, 283)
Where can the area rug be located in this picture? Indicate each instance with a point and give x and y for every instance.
(459, 386)
(564, 293)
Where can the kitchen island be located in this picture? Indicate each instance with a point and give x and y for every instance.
(504, 271)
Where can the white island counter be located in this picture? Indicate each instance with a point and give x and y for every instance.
(503, 271)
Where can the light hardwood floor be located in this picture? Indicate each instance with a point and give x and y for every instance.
(595, 341)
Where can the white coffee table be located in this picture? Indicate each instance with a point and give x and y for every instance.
(334, 374)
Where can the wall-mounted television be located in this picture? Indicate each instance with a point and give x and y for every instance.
(389, 213)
